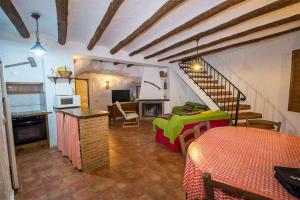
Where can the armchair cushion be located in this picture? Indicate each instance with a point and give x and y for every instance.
(130, 116)
(130, 111)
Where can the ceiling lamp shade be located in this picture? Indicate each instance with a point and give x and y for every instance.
(197, 65)
(37, 49)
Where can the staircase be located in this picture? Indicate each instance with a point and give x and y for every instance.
(224, 94)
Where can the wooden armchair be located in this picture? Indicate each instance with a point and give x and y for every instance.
(129, 116)
(184, 143)
(210, 184)
(263, 124)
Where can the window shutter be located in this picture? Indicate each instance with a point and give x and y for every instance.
(294, 98)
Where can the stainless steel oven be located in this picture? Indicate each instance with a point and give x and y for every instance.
(29, 129)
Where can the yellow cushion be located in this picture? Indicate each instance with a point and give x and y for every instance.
(207, 112)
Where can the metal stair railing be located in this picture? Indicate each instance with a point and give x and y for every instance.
(220, 90)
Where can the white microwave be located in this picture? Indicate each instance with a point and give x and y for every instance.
(61, 101)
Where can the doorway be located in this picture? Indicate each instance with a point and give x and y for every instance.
(82, 89)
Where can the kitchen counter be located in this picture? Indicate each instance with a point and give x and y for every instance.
(29, 113)
(84, 132)
(83, 113)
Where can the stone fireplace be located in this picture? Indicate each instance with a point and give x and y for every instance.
(151, 108)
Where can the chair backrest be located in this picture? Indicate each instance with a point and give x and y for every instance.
(200, 126)
(263, 124)
(210, 184)
(184, 143)
(120, 108)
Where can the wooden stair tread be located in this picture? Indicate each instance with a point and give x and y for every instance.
(225, 99)
(212, 86)
(248, 115)
(221, 92)
(233, 107)
(206, 81)
(200, 76)
(193, 72)
(260, 126)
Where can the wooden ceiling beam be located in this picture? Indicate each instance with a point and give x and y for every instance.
(117, 63)
(239, 44)
(187, 25)
(251, 15)
(15, 18)
(162, 11)
(62, 20)
(131, 65)
(110, 13)
(235, 36)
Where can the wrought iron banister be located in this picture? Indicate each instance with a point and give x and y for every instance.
(220, 90)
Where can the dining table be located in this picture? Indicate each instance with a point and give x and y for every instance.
(242, 157)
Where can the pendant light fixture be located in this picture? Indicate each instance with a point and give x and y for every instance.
(37, 49)
(197, 65)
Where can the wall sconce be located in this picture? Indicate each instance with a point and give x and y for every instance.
(107, 85)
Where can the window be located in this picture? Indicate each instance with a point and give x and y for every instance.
(294, 98)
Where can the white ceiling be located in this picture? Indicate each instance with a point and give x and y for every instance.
(85, 16)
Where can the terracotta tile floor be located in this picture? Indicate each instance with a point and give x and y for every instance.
(139, 168)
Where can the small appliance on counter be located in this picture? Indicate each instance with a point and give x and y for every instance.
(66, 101)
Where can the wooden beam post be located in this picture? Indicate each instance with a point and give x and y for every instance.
(62, 20)
(15, 18)
(111, 11)
(251, 15)
(166, 8)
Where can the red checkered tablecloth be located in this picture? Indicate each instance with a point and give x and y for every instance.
(242, 157)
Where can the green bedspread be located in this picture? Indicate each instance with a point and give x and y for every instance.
(173, 127)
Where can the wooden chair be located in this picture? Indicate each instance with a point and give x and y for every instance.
(210, 184)
(129, 116)
(263, 124)
(198, 128)
(196, 131)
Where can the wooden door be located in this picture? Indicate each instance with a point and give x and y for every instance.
(294, 98)
(82, 89)
(6, 156)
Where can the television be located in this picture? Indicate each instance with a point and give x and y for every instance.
(120, 95)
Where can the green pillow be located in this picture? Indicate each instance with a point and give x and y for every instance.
(193, 104)
(188, 108)
(200, 108)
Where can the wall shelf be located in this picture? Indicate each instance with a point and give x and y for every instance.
(55, 78)
(25, 92)
(24, 88)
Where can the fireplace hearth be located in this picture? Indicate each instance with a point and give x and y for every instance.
(150, 109)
